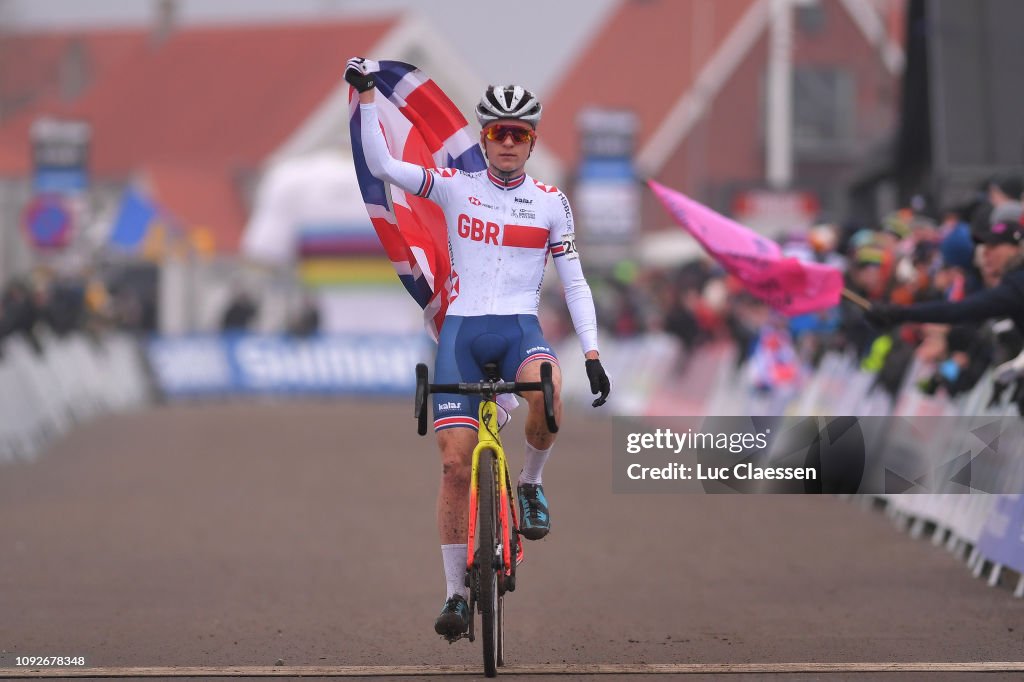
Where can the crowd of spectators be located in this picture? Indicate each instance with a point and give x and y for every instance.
(946, 290)
(32, 308)
(950, 294)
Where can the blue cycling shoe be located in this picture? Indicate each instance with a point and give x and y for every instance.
(534, 522)
(454, 617)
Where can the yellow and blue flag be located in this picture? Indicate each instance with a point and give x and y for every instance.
(135, 217)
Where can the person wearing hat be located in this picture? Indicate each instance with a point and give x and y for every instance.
(1004, 197)
(896, 227)
(957, 274)
(1005, 188)
(1001, 256)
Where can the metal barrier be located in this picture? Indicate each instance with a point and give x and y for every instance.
(986, 530)
(73, 379)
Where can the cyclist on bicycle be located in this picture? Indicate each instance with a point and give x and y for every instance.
(502, 224)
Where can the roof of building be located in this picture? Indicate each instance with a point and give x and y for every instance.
(223, 95)
(689, 50)
(218, 100)
(209, 104)
(638, 36)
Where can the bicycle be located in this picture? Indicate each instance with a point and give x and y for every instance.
(491, 566)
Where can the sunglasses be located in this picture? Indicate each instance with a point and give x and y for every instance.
(518, 133)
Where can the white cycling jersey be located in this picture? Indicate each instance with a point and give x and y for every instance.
(499, 235)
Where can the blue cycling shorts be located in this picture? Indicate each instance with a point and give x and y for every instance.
(466, 344)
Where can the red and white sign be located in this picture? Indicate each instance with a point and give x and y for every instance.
(771, 212)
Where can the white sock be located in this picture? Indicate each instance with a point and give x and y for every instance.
(454, 557)
(533, 467)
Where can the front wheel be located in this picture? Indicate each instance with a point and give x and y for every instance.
(488, 562)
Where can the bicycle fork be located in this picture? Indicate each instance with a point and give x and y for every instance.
(508, 521)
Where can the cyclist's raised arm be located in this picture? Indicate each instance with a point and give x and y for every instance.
(409, 176)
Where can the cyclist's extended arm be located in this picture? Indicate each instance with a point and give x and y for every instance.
(577, 292)
(577, 295)
(581, 306)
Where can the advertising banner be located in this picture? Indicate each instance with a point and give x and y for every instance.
(196, 366)
(607, 194)
(1002, 537)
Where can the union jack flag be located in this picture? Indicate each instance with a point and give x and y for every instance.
(421, 126)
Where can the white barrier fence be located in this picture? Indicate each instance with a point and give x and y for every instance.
(639, 367)
(74, 379)
(986, 530)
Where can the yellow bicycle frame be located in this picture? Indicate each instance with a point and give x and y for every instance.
(487, 439)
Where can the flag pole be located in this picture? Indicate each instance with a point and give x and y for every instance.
(856, 299)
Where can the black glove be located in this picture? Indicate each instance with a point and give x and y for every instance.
(598, 381)
(359, 73)
(883, 315)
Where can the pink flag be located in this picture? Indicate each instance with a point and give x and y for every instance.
(789, 285)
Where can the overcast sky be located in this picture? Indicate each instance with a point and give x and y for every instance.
(545, 33)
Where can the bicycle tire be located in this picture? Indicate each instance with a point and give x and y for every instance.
(487, 572)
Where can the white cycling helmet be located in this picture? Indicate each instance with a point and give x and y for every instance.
(508, 101)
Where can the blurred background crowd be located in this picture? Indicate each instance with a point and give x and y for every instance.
(180, 167)
(906, 258)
